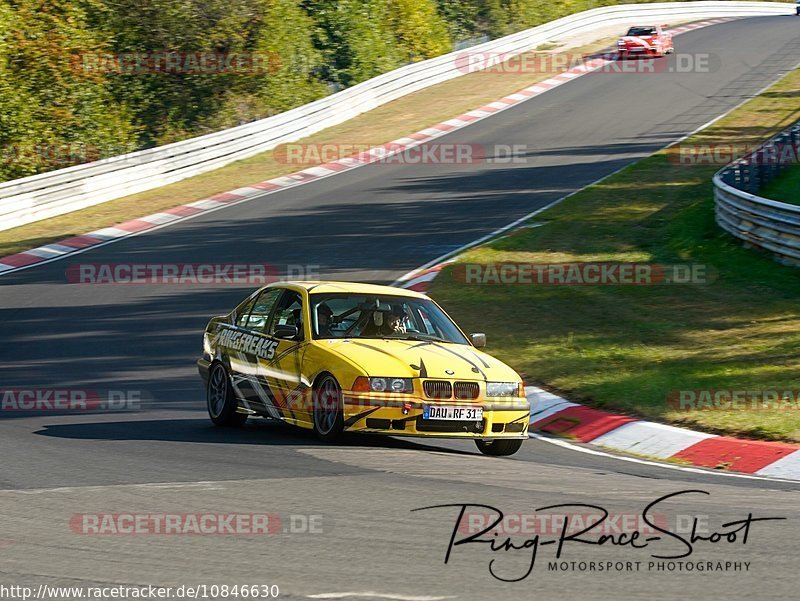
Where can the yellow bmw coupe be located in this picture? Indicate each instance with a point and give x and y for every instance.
(338, 356)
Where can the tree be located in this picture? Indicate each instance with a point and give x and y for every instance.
(286, 39)
(52, 112)
(354, 39)
(418, 29)
(175, 100)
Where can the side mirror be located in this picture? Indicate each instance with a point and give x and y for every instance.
(286, 332)
(478, 340)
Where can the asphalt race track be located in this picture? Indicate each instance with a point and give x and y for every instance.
(373, 223)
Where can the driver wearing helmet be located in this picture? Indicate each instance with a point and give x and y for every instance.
(395, 321)
(324, 320)
(385, 323)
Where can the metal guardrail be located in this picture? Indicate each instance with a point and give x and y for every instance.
(762, 223)
(54, 193)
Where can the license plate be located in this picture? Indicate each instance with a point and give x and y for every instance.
(467, 414)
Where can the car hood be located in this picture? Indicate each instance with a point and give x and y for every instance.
(634, 39)
(412, 358)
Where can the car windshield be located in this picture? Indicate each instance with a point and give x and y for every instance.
(381, 316)
(639, 31)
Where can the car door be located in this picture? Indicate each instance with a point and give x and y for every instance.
(282, 373)
(246, 342)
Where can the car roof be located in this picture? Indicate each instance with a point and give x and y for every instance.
(348, 287)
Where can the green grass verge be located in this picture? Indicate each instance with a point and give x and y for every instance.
(626, 348)
(786, 187)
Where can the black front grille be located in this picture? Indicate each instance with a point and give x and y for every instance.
(443, 425)
(467, 390)
(437, 389)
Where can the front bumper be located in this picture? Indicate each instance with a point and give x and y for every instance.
(501, 419)
(640, 51)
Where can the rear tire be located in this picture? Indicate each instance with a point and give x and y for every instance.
(220, 400)
(499, 448)
(328, 409)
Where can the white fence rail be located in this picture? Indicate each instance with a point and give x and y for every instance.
(54, 193)
(762, 223)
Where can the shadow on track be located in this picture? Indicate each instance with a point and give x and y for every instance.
(257, 432)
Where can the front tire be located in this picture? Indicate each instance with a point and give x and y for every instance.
(499, 448)
(328, 410)
(220, 400)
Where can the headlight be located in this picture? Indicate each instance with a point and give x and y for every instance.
(495, 389)
(383, 384)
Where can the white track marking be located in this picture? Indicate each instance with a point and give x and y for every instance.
(693, 470)
(434, 131)
(107, 233)
(315, 172)
(483, 114)
(454, 253)
(546, 408)
(205, 204)
(249, 192)
(48, 251)
(201, 485)
(650, 438)
(160, 218)
(785, 466)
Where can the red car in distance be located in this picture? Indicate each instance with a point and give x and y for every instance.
(645, 40)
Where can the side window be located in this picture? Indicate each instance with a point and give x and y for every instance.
(289, 312)
(243, 312)
(257, 313)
